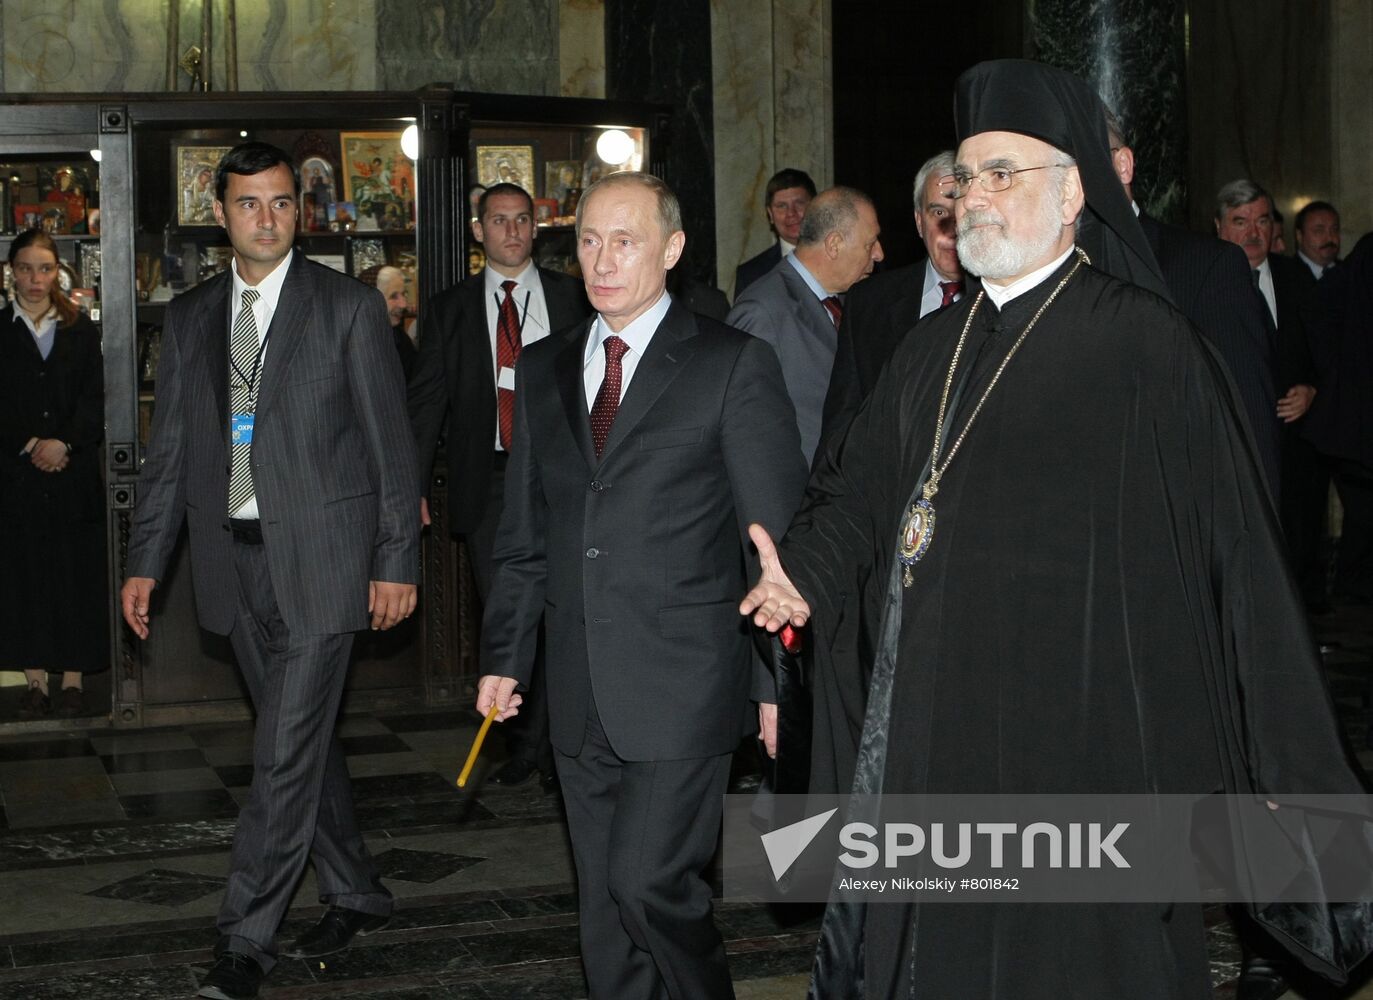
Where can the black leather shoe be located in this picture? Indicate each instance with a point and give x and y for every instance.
(335, 930)
(548, 781)
(1259, 979)
(234, 976)
(515, 771)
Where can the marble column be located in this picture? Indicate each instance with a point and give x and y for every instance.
(1352, 128)
(774, 108)
(658, 51)
(1133, 52)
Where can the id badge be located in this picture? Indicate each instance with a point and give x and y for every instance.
(241, 428)
(505, 379)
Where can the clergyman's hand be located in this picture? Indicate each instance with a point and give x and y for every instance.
(1296, 402)
(773, 601)
(767, 727)
(496, 690)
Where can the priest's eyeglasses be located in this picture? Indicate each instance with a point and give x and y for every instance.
(993, 179)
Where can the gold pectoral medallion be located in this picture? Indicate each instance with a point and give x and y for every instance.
(916, 532)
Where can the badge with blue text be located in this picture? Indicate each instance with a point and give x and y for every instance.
(241, 428)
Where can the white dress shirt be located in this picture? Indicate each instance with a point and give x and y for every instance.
(1001, 294)
(530, 309)
(1316, 270)
(787, 248)
(268, 293)
(932, 297)
(637, 335)
(1270, 295)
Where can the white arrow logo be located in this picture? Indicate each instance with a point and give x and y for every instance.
(784, 846)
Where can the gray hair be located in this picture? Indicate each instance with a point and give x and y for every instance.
(835, 210)
(1237, 193)
(669, 209)
(937, 165)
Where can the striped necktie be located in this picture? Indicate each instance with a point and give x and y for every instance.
(243, 360)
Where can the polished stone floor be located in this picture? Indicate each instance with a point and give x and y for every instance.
(114, 848)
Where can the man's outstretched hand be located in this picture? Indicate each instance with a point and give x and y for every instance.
(773, 601)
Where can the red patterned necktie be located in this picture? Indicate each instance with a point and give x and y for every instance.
(950, 289)
(608, 397)
(835, 308)
(507, 353)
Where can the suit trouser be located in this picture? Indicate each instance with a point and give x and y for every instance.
(1302, 502)
(526, 735)
(643, 833)
(300, 805)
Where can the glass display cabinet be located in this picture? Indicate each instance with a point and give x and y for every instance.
(126, 185)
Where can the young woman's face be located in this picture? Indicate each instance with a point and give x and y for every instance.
(35, 270)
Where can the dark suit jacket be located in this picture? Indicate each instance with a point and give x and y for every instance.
(635, 561)
(755, 267)
(333, 459)
(781, 309)
(1293, 288)
(1213, 286)
(455, 378)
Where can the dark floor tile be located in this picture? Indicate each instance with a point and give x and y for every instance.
(162, 887)
(152, 760)
(405, 817)
(775, 960)
(93, 946)
(560, 979)
(431, 721)
(207, 803)
(143, 984)
(421, 785)
(518, 907)
(512, 947)
(766, 921)
(354, 746)
(446, 914)
(402, 957)
(235, 775)
(229, 735)
(46, 749)
(422, 866)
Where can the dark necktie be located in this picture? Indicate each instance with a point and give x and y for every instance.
(243, 381)
(1255, 273)
(835, 308)
(949, 289)
(608, 397)
(507, 353)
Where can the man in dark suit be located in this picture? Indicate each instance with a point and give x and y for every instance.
(646, 441)
(472, 335)
(1244, 217)
(280, 440)
(788, 194)
(796, 306)
(1318, 237)
(879, 312)
(1211, 285)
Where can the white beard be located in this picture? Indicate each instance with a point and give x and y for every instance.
(989, 253)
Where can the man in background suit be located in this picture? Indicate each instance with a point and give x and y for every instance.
(646, 441)
(796, 306)
(1318, 237)
(880, 311)
(279, 438)
(1211, 285)
(788, 195)
(1244, 217)
(472, 335)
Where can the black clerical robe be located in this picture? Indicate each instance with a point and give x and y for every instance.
(1104, 607)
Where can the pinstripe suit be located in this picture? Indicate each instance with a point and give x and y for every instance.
(333, 465)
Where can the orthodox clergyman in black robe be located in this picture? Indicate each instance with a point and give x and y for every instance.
(1102, 604)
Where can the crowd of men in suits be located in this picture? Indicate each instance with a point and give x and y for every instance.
(605, 527)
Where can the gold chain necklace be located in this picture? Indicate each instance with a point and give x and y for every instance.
(917, 527)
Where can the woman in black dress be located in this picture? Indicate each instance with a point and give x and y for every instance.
(53, 614)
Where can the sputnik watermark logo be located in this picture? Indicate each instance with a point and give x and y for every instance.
(785, 845)
(1048, 848)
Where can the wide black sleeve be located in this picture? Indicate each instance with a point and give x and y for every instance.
(427, 392)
